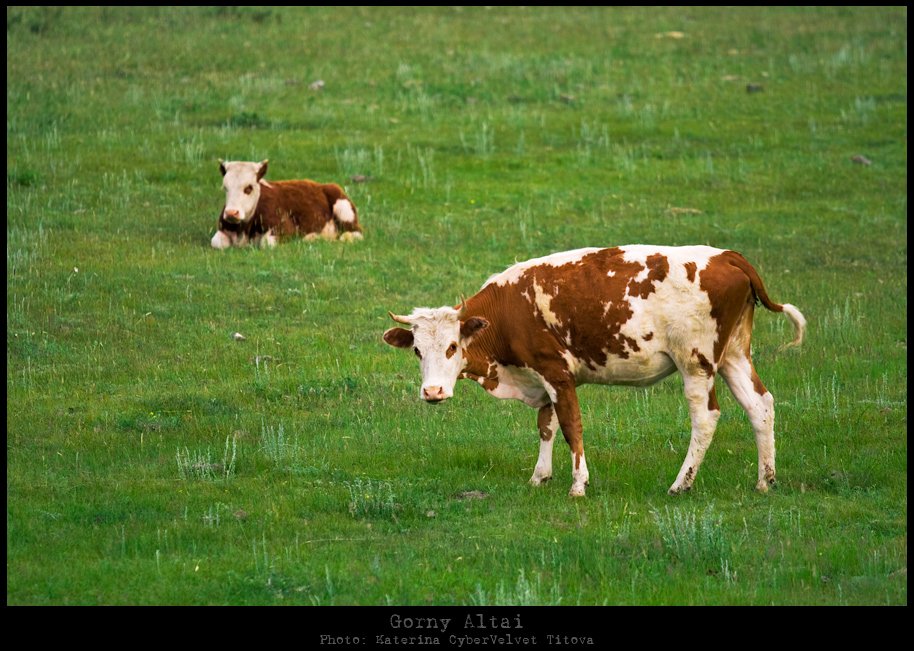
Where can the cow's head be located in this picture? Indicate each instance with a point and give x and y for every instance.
(242, 189)
(439, 338)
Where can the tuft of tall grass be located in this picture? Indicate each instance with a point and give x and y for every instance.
(688, 535)
(523, 592)
(276, 446)
(201, 465)
(371, 499)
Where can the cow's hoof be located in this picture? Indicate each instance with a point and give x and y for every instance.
(576, 491)
(678, 490)
(350, 236)
(539, 481)
(762, 486)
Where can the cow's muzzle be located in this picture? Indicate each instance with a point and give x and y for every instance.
(433, 395)
(232, 216)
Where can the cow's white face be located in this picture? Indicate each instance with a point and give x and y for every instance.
(439, 338)
(241, 182)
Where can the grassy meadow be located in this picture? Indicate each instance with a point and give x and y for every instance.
(154, 459)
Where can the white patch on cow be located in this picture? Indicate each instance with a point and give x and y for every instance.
(239, 177)
(221, 240)
(543, 470)
(343, 211)
(514, 273)
(524, 384)
(579, 476)
(543, 302)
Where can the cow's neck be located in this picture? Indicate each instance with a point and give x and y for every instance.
(486, 347)
(264, 207)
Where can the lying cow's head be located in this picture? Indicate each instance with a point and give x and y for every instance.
(439, 338)
(242, 189)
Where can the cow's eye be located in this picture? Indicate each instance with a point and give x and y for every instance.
(451, 349)
(418, 354)
(249, 189)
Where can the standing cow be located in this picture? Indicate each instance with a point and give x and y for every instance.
(628, 315)
(260, 211)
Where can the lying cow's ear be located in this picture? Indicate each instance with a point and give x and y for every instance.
(263, 169)
(472, 325)
(222, 166)
(399, 338)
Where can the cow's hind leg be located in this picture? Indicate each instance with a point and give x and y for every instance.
(547, 423)
(704, 413)
(751, 394)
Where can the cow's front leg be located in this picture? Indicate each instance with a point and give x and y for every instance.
(548, 423)
(569, 417)
(221, 240)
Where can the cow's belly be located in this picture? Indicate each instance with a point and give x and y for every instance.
(636, 370)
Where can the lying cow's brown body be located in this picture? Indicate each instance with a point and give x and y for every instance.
(281, 209)
(624, 315)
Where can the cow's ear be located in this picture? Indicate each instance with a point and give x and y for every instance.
(262, 170)
(222, 166)
(472, 325)
(399, 338)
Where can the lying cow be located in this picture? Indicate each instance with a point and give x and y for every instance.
(258, 211)
(628, 315)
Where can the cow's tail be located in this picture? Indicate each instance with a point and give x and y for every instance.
(758, 288)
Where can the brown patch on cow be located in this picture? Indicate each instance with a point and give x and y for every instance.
(544, 423)
(769, 474)
(757, 384)
(658, 267)
(648, 336)
(730, 292)
(488, 381)
(706, 366)
(289, 208)
(690, 268)
(451, 350)
(712, 399)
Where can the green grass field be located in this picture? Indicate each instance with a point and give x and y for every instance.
(153, 459)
